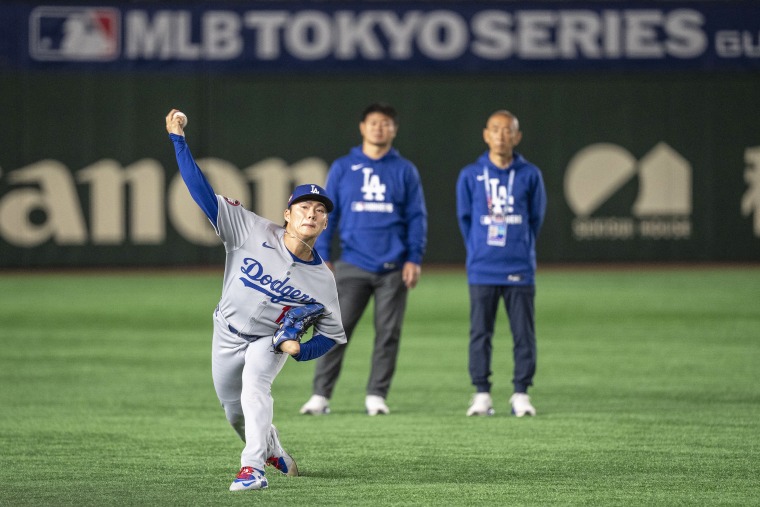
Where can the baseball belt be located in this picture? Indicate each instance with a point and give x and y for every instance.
(247, 337)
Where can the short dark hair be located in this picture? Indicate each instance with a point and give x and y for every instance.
(380, 107)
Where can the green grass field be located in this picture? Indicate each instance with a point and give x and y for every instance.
(647, 391)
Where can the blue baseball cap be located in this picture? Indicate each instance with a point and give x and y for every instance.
(310, 192)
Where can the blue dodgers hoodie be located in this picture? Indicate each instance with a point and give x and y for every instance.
(516, 192)
(379, 210)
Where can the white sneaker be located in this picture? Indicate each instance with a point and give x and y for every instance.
(317, 405)
(281, 460)
(521, 405)
(249, 478)
(376, 405)
(481, 405)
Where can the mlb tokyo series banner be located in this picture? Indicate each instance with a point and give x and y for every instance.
(376, 37)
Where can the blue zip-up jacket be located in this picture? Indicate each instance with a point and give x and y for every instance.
(515, 262)
(379, 210)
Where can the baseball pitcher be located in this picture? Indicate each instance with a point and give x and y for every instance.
(276, 286)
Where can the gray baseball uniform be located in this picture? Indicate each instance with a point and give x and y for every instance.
(262, 280)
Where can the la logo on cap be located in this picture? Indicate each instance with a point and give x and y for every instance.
(302, 192)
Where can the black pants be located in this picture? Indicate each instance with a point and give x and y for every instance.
(355, 287)
(519, 303)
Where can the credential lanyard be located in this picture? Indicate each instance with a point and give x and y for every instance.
(510, 200)
(487, 184)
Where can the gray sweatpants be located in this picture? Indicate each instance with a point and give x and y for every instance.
(355, 288)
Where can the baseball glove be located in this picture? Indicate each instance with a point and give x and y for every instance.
(295, 323)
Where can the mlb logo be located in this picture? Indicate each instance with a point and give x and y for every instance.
(75, 34)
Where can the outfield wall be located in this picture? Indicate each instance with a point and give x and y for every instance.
(643, 161)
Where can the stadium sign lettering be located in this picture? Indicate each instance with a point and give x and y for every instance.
(663, 206)
(132, 204)
(328, 36)
(437, 35)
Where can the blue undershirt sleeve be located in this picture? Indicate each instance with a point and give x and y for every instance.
(318, 346)
(199, 187)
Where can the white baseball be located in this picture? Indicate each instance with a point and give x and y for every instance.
(183, 117)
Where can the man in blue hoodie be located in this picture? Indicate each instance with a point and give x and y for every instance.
(501, 202)
(381, 215)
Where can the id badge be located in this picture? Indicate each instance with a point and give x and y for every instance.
(497, 232)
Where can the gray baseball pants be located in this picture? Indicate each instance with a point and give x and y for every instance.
(243, 373)
(355, 288)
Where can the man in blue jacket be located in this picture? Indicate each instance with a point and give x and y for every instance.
(381, 215)
(501, 203)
